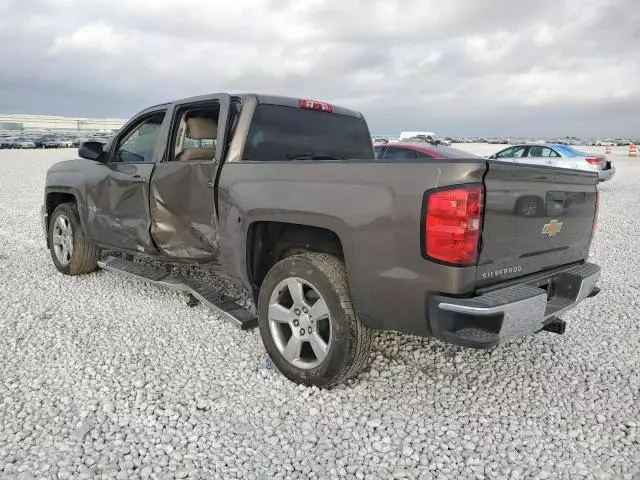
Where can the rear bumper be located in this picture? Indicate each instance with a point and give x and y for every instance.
(487, 320)
(606, 174)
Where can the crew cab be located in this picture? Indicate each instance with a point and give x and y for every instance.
(286, 195)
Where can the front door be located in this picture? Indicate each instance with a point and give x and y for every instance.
(182, 188)
(118, 201)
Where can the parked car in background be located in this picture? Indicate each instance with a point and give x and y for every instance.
(51, 143)
(46, 141)
(417, 150)
(557, 155)
(23, 142)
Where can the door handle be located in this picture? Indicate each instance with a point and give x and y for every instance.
(139, 179)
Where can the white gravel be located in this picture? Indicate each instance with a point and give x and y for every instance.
(106, 377)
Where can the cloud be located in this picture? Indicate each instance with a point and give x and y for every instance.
(495, 67)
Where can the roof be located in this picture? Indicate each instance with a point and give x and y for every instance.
(262, 98)
(443, 151)
(532, 144)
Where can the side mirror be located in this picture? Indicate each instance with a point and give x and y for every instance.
(91, 150)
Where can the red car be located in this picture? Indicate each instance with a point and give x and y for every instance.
(409, 150)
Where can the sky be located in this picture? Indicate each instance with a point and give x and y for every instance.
(456, 67)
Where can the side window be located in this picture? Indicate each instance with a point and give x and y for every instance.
(538, 152)
(194, 135)
(137, 146)
(514, 152)
(548, 152)
(508, 153)
(400, 153)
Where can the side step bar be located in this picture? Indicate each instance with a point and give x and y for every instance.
(223, 305)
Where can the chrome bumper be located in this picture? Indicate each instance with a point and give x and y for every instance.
(502, 315)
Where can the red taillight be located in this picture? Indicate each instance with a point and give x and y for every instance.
(313, 105)
(594, 160)
(452, 225)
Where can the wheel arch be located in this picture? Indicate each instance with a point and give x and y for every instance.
(269, 241)
(59, 195)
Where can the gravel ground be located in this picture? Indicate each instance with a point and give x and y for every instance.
(106, 377)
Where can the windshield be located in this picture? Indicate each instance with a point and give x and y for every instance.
(280, 133)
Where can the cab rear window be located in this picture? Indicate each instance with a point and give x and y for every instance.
(282, 133)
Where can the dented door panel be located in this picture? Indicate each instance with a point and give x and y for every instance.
(118, 207)
(182, 212)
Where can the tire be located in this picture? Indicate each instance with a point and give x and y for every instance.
(347, 341)
(84, 254)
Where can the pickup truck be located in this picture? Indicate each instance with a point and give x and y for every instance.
(287, 197)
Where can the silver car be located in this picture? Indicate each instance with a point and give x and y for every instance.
(558, 155)
(23, 143)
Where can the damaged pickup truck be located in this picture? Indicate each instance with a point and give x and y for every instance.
(287, 196)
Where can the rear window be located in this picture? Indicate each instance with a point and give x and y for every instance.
(567, 151)
(280, 133)
(449, 152)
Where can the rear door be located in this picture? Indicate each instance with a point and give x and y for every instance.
(535, 218)
(182, 189)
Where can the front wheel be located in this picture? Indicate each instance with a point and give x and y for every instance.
(71, 251)
(307, 321)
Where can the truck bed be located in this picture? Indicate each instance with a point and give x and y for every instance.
(376, 209)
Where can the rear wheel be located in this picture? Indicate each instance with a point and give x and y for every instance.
(307, 322)
(71, 251)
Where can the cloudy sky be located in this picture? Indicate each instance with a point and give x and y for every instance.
(457, 67)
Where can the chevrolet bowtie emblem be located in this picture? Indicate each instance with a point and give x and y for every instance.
(552, 228)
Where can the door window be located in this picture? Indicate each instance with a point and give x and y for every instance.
(138, 145)
(513, 152)
(194, 137)
(545, 152)
(400, 153)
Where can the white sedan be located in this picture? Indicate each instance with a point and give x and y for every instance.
(557, 155)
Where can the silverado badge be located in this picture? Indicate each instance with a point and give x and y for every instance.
(552, 228)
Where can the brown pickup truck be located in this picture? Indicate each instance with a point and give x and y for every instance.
(287, 196)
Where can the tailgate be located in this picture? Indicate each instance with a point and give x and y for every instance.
(536, 218)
